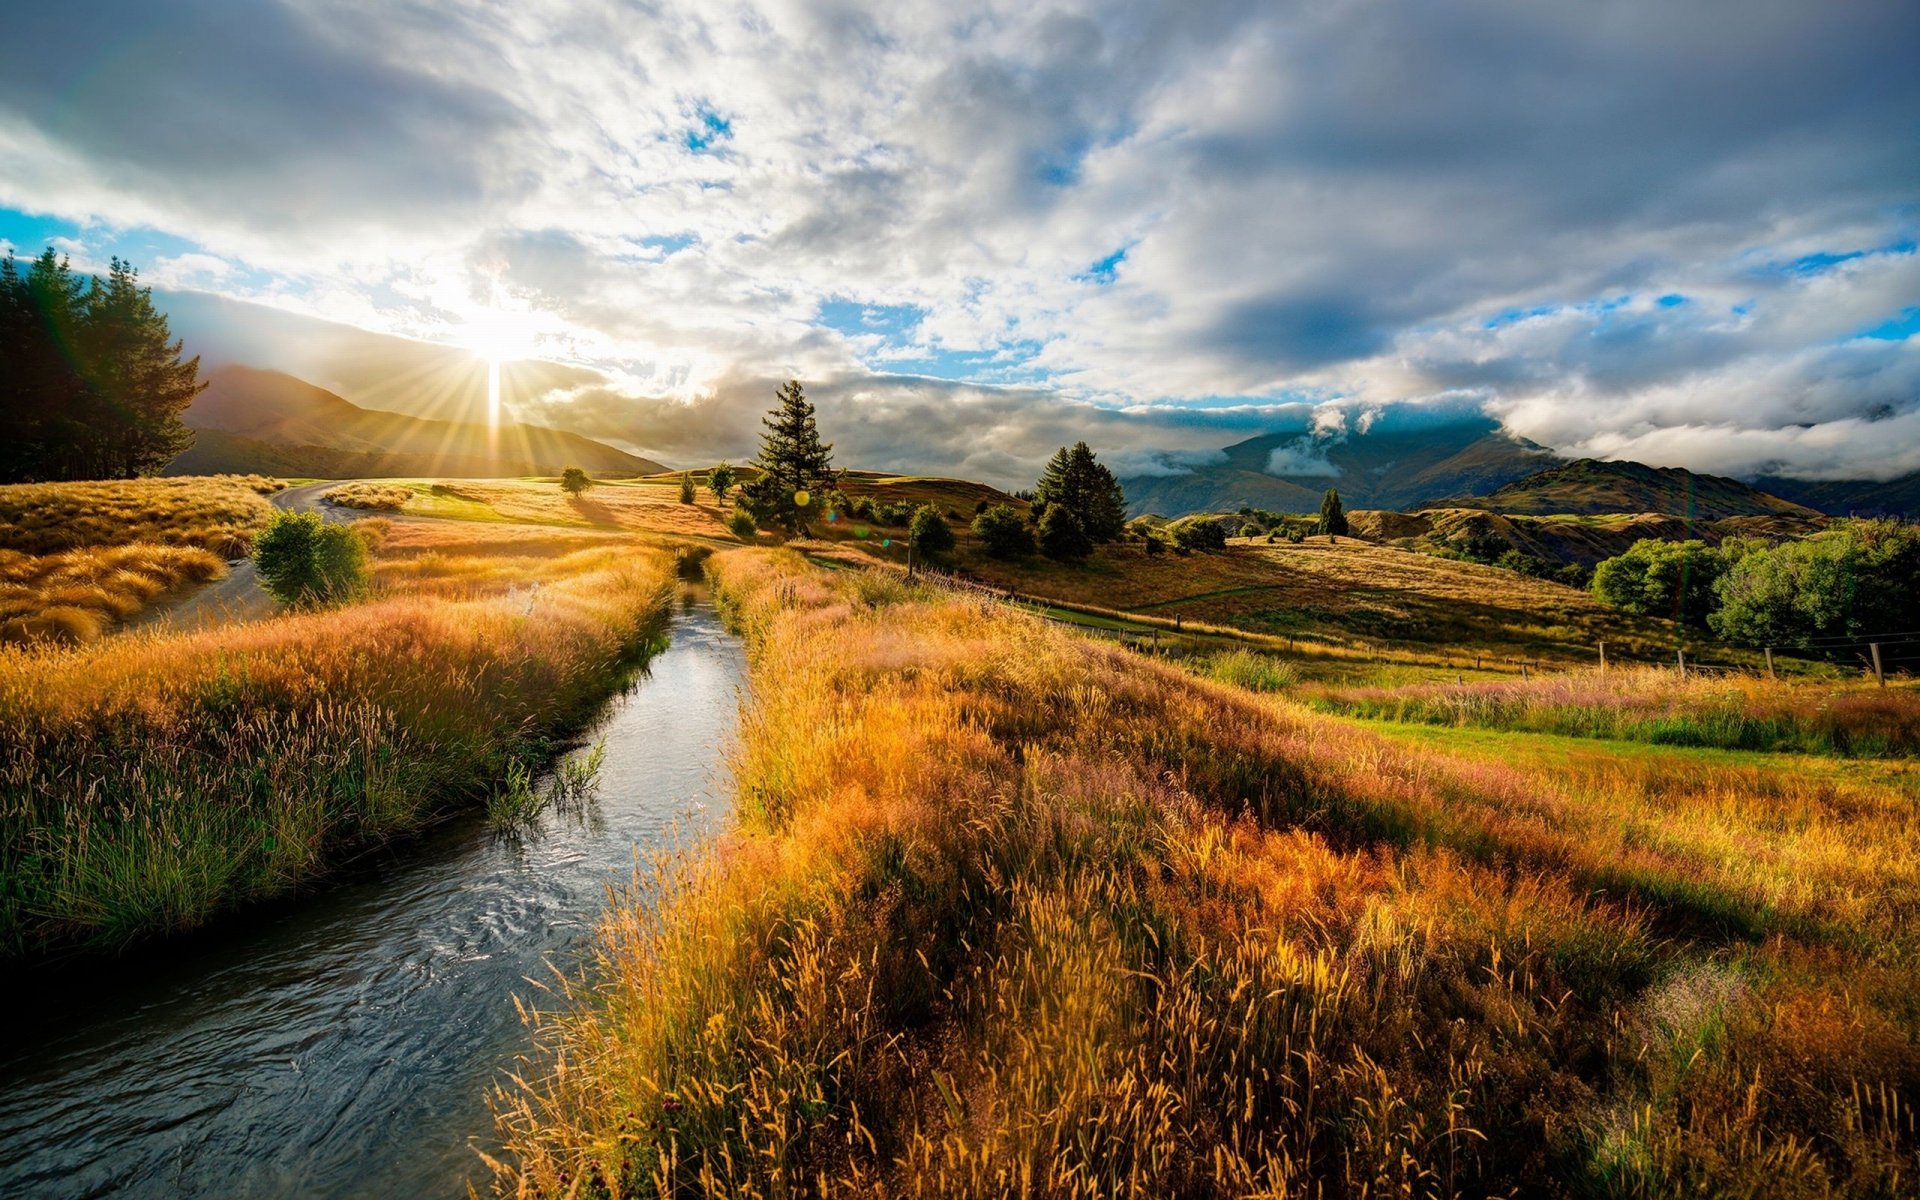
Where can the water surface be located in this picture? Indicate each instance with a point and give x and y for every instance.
(344, 1045)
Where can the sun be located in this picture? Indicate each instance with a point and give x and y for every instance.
(499, 335)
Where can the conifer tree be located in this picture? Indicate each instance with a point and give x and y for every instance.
(1076, 481)
(1333, 518)
(794, 463)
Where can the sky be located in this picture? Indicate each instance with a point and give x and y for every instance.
(1678, 233)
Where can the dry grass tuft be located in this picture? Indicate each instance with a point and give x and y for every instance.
(75, 596)
(386, 497)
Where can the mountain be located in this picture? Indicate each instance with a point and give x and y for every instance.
(1898, 497)
(1590, 486)
(1384, 466)
(254, 420)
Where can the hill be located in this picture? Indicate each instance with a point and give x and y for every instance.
(1898, 497)
(1382, 467)
(256, 421)
(1589, 486)
(1562, 538)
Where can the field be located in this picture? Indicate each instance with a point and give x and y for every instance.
(155, 780)
(218, 513)
(1008, 911)
(1340, 594)
(76, 559)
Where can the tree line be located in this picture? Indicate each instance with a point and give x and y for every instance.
(1852, 582)
(92, 382)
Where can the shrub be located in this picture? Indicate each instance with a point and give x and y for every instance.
(1003, 532)
(720, 482)
(742, 525)
(1152, 544)
(574, 481)
(861, 508)
(892, 514)
(1061, 535)
(1199, 533)
(305, 562)
(686, 487)
(930, 532)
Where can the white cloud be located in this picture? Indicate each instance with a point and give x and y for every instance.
(1314, 200)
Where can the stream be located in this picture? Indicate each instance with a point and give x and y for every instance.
(343, 1044)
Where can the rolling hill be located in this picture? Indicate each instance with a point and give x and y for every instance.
(1589, 487)
(257, 421)
(1563, 538)
(1379, 468)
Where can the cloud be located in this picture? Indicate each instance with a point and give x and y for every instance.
(1372, 204)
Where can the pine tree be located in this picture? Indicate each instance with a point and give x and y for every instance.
(793, 463)
(94, 385)
(1076, 481)
(1333, 519)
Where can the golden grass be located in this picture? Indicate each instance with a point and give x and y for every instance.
(1653, 704)
(1008, 912)
(154, 780)
(219, 513)
(76, 595)
(387, 497)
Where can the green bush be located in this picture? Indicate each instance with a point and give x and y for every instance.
(893, 514)
(1199, 533)
(930, 532)
(1003, 531)
(742, 525)
(305, 562)
(1860, 580)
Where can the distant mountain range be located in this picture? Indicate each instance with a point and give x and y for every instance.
(1898, 497)
(1590, 486)
(252, 420)
(1471, 463)
(1382, 468)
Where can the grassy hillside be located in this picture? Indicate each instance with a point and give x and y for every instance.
(1590, 486)
(250, 419)
(1009, 912)
(1563, 538)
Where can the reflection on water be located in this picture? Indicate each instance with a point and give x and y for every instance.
(344, 1047)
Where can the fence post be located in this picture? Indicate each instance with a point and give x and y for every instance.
(1523, 672)
(1879, 675)
(1603, 658)
(1770, 674)
(1681, 657)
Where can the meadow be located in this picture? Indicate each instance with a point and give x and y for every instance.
(1735, 711)
(78, 559)
(1007, 911)
(154, 780)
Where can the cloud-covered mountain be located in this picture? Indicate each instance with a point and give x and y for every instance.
(1394, 460)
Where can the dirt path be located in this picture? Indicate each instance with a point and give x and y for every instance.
(239, 596)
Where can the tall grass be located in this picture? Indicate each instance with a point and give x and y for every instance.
(151, 781)
(219, 513)
(1650, 704)
(386, 497)
(76, 595)
(1011, 913)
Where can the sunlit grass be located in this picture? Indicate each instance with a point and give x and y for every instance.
(153, 780)
(387, 497)
(1741, 712)
(219, 513)
(1009, 912)
(76, 595)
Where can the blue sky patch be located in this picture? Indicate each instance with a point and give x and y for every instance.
(1102, 272)
(1896, 329)
(711, 127)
